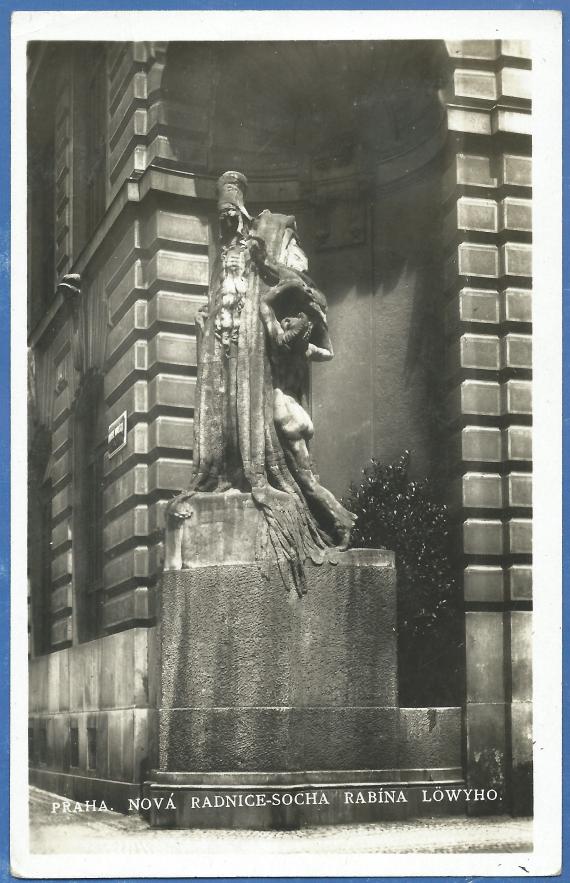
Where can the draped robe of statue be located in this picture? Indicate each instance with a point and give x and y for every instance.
(236, 443)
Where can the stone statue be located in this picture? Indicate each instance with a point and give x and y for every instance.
(264, 323)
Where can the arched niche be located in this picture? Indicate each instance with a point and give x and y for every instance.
(348, 136)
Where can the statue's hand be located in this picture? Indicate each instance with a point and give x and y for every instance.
(257, 248)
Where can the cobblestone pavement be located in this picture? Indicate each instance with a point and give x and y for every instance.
(94, 832)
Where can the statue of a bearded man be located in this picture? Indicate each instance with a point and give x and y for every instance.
(264, 323)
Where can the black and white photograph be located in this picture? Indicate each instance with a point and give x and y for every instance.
(283, 345)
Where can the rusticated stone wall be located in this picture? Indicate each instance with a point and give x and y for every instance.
(92, 718)
(486, 195)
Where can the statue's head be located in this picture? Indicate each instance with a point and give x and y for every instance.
(232, 187)
(301, 326)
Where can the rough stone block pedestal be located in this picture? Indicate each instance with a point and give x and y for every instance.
(263, 691)
(256, 678)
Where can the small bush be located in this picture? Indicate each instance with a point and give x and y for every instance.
(396, 513)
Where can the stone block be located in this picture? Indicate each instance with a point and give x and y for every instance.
(168, 473)
(84, 674)
(271, 739)
(481, 443)
(135, 401)
(145, 742)
(472, 83)
(116, 671)
(517, 305)
(469, 120)
(102, 745)
(132, 606)
(482, 536)
(223, 529)
(484, 650)
(517, 351)
(121, 744)
(136, 128)
(517, 48)
(515, 82)
(485, 725)
(520, 582)
(516, 259)
(62, 599)
(479, 352)
(481, 215)
(478, 305)
(521, 655)
(518, 490)
(61, 534)
(172, 349)
(254, 677)
(479, 397)
(58, 681)
(517, 397)
(123, 291)
(512, 120)
(475, 259)
(519, 536)
(131, 483)
(59, 731)
(125, 251)
(130, 326)
(61, 405)
(516, 214)
(175, 267)
(127, 527)
(38, 680)
(481, 490)
(483, 583)
(174, 227)
(126, 367)
(475, 171)
(522, 761)
(172, 391)
(136, 448)
(174, 307)
(62, 566)
(517, 170)
(483, 50)
(429, 738)
(132, 564)
(60, 437)
(172, 432)
(134, 92)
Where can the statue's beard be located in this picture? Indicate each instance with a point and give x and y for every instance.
(231, 225)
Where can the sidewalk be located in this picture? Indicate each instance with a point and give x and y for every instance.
(95, 832)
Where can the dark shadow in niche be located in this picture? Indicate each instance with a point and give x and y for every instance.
(300, 108)
(344, 120)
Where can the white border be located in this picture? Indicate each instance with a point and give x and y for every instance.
(543, 28)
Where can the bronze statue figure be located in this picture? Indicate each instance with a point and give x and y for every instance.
(264, 323)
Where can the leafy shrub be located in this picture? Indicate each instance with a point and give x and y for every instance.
(396, 513)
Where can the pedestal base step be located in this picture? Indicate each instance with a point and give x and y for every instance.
(285, 801)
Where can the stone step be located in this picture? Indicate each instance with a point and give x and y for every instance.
(285, 801)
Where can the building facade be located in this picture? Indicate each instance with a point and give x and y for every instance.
(408, 167)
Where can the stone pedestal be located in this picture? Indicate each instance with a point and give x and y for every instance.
(265, 692)
(256, 678)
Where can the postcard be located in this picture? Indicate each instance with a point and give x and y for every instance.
(292, 529)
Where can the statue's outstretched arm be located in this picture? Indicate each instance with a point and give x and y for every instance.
(319, 353)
